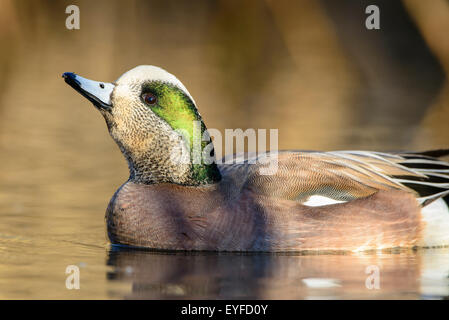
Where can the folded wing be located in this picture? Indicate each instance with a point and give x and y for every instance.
(337, 176)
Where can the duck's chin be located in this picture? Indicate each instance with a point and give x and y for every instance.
(109, 119)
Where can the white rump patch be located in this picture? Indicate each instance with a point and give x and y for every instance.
(318, 201)
(436, 219)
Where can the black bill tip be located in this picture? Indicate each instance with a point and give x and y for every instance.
(70, 79)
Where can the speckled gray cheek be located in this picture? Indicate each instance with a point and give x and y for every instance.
(146, 141)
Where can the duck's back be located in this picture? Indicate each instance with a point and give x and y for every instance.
(312, 201)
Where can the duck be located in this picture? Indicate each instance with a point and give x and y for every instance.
(319, 201)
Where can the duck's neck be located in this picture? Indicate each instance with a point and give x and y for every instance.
(188, 162)
(195, 175)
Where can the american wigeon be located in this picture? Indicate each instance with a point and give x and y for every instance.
(341, 200)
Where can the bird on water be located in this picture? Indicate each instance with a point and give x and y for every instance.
(320, 201)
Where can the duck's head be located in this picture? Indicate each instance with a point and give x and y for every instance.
(155, 122)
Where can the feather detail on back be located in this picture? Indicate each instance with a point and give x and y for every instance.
(343, 175)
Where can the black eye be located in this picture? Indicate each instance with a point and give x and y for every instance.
(149, 98)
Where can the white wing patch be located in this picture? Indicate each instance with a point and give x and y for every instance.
(318, 201)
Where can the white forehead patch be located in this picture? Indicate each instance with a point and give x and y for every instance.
(151, 73)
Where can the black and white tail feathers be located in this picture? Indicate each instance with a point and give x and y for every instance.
(433, 181)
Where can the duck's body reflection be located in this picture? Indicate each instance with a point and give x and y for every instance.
(156, 275)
